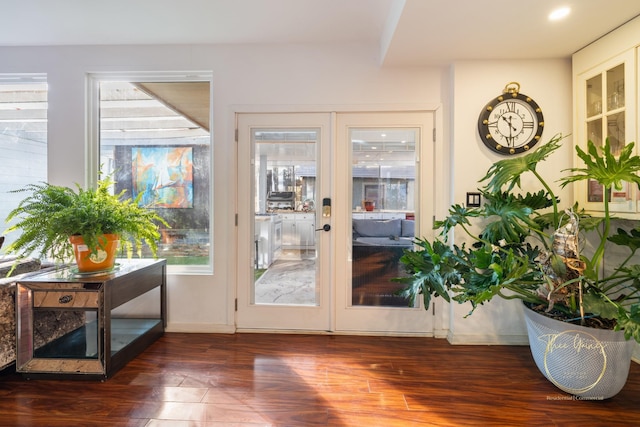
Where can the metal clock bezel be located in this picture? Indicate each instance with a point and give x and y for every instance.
(483, 123)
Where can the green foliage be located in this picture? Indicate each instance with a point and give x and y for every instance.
(509, 216)
(433, 267)
(458, 215)
(50, 214)
(630, 239)
(513, 256)
(601, 165)
(490, 271)
(507, 172)
(628, 320)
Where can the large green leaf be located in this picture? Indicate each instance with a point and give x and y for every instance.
(507, 172)
(431, 270)
(596, 304)
(458, 215)
(601, 165)
(629, 321)
(509, 218)
(630, 239)
(628, 286)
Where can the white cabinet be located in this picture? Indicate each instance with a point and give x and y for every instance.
(367, 215)
(306, 231)
(379, 215)
(288, 230)
(605, 90)
(298, 230)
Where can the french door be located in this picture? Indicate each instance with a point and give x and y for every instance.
(327, 202)
(284, 173)
(387, 164)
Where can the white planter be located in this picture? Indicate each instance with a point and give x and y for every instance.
(585, 362)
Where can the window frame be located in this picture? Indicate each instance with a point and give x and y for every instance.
(92, 149)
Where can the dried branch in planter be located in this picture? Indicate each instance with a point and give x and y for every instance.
(562, 266)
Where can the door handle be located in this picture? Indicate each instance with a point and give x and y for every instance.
(325, 227)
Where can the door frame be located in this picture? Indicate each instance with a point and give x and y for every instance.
(442, 192)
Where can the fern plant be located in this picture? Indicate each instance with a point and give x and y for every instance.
(49, 214)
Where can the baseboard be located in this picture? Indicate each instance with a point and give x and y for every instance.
(345, 332)
(441, 333)
(200, 328)
(467, 339)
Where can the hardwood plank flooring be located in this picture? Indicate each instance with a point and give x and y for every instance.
(207, 380)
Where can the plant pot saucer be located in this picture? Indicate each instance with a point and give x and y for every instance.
(77, 273)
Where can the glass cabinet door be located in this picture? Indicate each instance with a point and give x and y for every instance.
(606, 116)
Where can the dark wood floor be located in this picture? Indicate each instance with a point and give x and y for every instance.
(296, 380)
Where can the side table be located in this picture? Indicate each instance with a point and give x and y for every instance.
(121, 313)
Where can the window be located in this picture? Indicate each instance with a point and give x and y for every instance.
(154, 138)
(23, 138)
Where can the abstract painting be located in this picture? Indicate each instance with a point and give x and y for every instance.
(164, 176)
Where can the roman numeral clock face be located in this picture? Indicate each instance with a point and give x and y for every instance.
(511, 124)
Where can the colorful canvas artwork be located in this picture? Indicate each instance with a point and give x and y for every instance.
(164, 176)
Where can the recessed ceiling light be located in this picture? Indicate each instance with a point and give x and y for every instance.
(559, 13)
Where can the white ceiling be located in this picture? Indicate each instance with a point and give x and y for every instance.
(407, 32)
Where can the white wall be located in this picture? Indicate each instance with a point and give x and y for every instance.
(298, 78)
(474, 83)
(283, 77)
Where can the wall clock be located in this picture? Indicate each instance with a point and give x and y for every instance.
(512, 123)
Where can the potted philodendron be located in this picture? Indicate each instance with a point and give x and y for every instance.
(580, 316)
(61, 223)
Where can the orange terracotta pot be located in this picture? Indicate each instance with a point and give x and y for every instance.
(104, 259)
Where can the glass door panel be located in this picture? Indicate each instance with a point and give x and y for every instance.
(615, 88)
(383, 182)
(283, 261)
(284, 194)
(594, 96)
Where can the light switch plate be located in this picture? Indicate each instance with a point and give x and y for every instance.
(473, 200)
